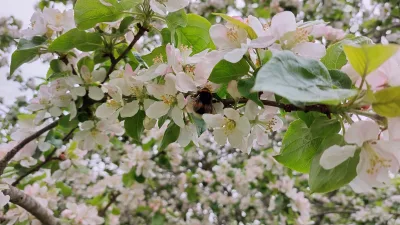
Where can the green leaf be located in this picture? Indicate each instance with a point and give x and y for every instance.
(170, 135)
(20, 57)
(166, 36)
(340, 79)
(244, 87)
(76, 39)
(299, 79)
(176, 19)
(309, 117)
(129, 178)
(65, 189)
(195, 34)
(156, 53)
(87, 13)
(300, 143)
(86, 61)
(158, 219)
(66, 123)
(387, 102)
(335, 57)
(238, 23)
(367, 58)
(124, 25)
(322, 180)
(226, 71)
(28, 44)
(192, 194)
(134, 126)
(200, 125)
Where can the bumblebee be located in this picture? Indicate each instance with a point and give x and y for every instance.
(203, 102)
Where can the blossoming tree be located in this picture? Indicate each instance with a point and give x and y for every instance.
(184, 133)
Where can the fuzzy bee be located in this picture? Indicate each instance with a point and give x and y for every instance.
(203, 102)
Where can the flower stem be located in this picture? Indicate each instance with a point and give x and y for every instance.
(250, 62)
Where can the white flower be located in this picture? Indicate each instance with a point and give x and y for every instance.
(263, 121)
(92, 134)
(4, 199)
(141, 160)
(164, 6)
(378, 158)
(82, 214)
(230, 40)
(233, 127)
(38, 26)
(172, 101)
(93, 80)
(294, 37)
(187, 134)
(59, 21)
(113, 108)
(264, 36)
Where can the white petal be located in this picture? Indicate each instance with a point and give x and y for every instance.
(236, 139)
(177, 116)
(310, 50)
(218, 33)
(181, 100)
(184, 83)
(233, 89)
(55, 111)
(282, 23)
(87, 125)
(99, 75)
(251, 110)
(4, 199)
(147, 103)
(220, 136)
(158, 8)
(95, 93)
(235, 55)
(184, 137)
(394, 128)
(277, 123)
(130, 109)
(105, 110)
(256, 25)
(231, 114)
(44, 146)
(214, 120)
(72, 111)
(175, 5)
(351, 72)
(335, 155)
(359, 186)
(262, 42)
(362, 131)
(169, 87)
(243, 126)
(157, 110)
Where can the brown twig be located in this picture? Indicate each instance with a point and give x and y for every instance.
(4, 161)
(113, 198)
(48, 159)
(287, 107)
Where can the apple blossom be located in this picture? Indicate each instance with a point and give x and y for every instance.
(164, 6)
(82, 214)
(377, 157)
(232, 126)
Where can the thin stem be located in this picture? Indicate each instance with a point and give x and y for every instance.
(19, 146)
(259, 57)
(287, 107)
(358, 92)
(250, 62)
(347, 118)
(48, 159)
(113, 198)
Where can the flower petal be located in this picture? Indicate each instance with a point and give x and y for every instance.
(243, 126)
(231, 114)
(130, 109)
(184, 83)
(177, 116)
(95, 93)
(157, 110)
(220, 136)
(214, 121)
(362, 131)
(282, 23)
(335, 155)
(310, 50)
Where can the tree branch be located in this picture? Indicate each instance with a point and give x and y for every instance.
(19, 198)
(113, 198)
(49, 158)
(4, 161)
(287, 107)
(114, 61)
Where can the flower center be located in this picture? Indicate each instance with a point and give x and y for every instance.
(268, 125)
(301, 35)
(169, 99)
(232, 34)
(189, 69)
(158, 59)
(58, 18)
(113, 104)
(376, 161)
(229, 126)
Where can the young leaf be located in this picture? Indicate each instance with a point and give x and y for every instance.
(238, 23)
(76, 39)
(244, 87)
(28, 44)
(192, 194)
(195, 34)
(387, 102)
(65, 189)
(226, 71)
(158, 219)
(340, 79)
(134, 126)
(170, 135)
(335, 57)
(300, 143)
(322, 180)
(367, 58)
(156, 53)
(87, 13)
(20, 57)
(299, 79)
(176, 19)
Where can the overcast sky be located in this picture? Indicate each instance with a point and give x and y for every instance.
(23, 10)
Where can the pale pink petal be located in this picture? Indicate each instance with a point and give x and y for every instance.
(184, 83)
(282, 23)
(335, 155)
(310, 50)
(243, 126)
(362, 131)
(157, 110)
(177, 116)
(130, 109)
(394, 128)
